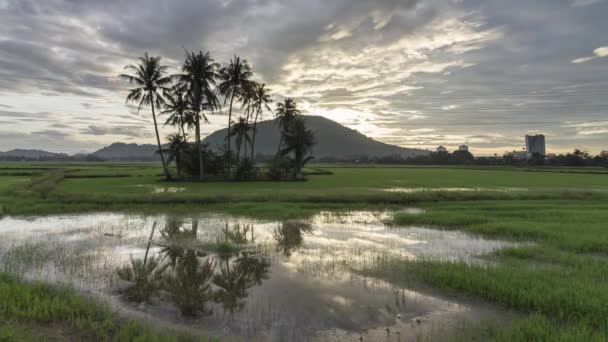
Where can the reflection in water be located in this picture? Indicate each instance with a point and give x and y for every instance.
(193, 279)
(289, 235)
(268, 281)
(189, 285)
(236, 276)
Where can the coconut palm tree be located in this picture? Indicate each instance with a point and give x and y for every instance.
(262, 101)
(241, 133)
(149, 76)
(247, 98)
(198, 77)
(299, 140)
(177, 107)
(235, 78)
(285, 114)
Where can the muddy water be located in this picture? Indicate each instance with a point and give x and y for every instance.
(254, 280)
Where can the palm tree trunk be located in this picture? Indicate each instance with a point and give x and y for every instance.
(229, 122)
(279, 148)
(160, 149)
(182, 127)
(238, 151)
(255, 129)
(199, 152)
(178, 163)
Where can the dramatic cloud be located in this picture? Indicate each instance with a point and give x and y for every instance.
(416, 73)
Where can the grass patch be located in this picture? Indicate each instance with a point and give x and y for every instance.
(560, 281)
(63, 312)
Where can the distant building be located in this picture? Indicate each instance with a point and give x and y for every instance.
(463, 148)
(536, 144)
(441, 149)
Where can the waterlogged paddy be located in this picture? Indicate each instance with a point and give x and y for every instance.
(244, 279)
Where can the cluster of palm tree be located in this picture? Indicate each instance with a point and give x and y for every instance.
(187, 97)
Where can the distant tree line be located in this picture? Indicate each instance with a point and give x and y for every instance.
(575, 158)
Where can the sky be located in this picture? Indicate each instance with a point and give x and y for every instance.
(415, 73)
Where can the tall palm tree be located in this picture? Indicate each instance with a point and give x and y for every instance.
(198, 77)
(299, 140)
(248, 97)
(177, 107)
(149, 76)
(262, 101)
(235, 78)
(241, 134)
(285, 115)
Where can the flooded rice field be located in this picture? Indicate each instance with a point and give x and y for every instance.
(248, 280)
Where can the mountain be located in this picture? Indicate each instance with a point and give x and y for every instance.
(17, 154)
(333, 141)
(127, 152)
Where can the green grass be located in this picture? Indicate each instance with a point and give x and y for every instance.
(98, 186)
(558, 277)
(29, 310)
(561, 277)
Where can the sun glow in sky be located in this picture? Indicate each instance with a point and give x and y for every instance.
(416, 73)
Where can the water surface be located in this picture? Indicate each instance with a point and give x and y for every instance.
(252, 280)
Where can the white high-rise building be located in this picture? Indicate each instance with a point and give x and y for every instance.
(536, 144)
(463, 148)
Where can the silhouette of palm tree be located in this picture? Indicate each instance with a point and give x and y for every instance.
(261, 101)
(241, 132)
(177, 107)
(299, 140)
(285, 114)
(248, 98)
(152, 84)
(235, 78)
(198, 77)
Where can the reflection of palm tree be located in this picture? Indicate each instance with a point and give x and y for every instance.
(177, 239)
(289, 235)
(299, 140)
(236, 277)
(144, 278)
(149, 76)
(190, 285)
(237, 234)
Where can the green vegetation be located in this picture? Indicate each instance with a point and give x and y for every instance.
(37, 311)
(557, 276)
(560, 278)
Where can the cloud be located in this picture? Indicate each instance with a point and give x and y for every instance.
(583, 3)
(129, 131)
(597, 53)
(496, 65)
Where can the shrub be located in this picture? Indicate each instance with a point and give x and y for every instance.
(280, 169)
(245, 170)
